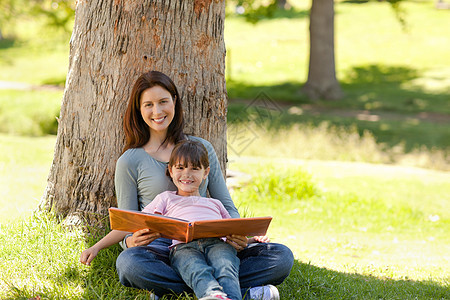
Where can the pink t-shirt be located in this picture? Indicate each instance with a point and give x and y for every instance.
(191, 208)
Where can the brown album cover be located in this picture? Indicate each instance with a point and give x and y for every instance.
(183, 230)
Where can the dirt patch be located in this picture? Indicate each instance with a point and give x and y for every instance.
(376, 116)
(23, 86)
(362, 115)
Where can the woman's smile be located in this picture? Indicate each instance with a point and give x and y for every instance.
(159, 120)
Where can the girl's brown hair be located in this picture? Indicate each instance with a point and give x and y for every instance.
(187, 153)
(137, 133)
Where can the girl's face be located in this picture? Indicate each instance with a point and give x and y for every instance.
(157, 109)
(187, 179)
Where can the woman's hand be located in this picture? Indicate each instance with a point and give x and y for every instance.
(259, 239)
(239, 242)
(142, 237)
(88, 255)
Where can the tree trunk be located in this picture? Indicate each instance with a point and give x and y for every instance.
(113, 42)
(283, 4)
(322, 82)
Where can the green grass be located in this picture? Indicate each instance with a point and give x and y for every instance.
(357, 230)
(388, 223)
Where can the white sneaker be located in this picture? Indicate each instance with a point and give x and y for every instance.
(153, 297)
(265, 292)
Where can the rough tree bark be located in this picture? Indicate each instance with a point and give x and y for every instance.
(322, 82)
(113, 42)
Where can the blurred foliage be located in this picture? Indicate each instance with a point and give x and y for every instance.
(256, 10)
(56, 13)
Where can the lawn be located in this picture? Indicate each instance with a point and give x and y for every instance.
(341, 179)
(357, 230)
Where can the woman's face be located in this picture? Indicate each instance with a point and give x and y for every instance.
(157, 109)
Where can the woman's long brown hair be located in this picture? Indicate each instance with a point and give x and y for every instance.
(137, 132)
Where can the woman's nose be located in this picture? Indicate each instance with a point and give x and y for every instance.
(156, 109)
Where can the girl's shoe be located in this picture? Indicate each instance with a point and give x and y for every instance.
(220, 296)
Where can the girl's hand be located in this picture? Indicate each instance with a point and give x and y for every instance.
(142, 237)
(239, 242)
(88, 255)
(259, 239)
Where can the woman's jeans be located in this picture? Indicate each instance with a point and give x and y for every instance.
(208, 266)
(148, 267)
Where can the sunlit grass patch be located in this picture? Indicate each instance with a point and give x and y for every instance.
(24, 166)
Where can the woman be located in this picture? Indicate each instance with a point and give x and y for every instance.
(153, 124)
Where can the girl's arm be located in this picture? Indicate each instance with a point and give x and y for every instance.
(139, 238)
(111, 238)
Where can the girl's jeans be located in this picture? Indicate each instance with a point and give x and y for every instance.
(148, 267)
(208, 266)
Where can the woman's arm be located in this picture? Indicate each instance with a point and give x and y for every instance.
(125, 182)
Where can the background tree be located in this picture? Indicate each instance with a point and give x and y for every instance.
(112, 43)
(322, 82)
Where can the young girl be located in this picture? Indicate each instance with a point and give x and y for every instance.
(209, 266)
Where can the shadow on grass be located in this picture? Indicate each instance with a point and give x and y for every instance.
(305, 282)
(291, 13)
(310, 282)
(258, 16)
(6, 43)
(55, 81)
(376, 100)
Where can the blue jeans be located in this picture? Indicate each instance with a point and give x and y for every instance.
(148, 267)
(208, 266)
